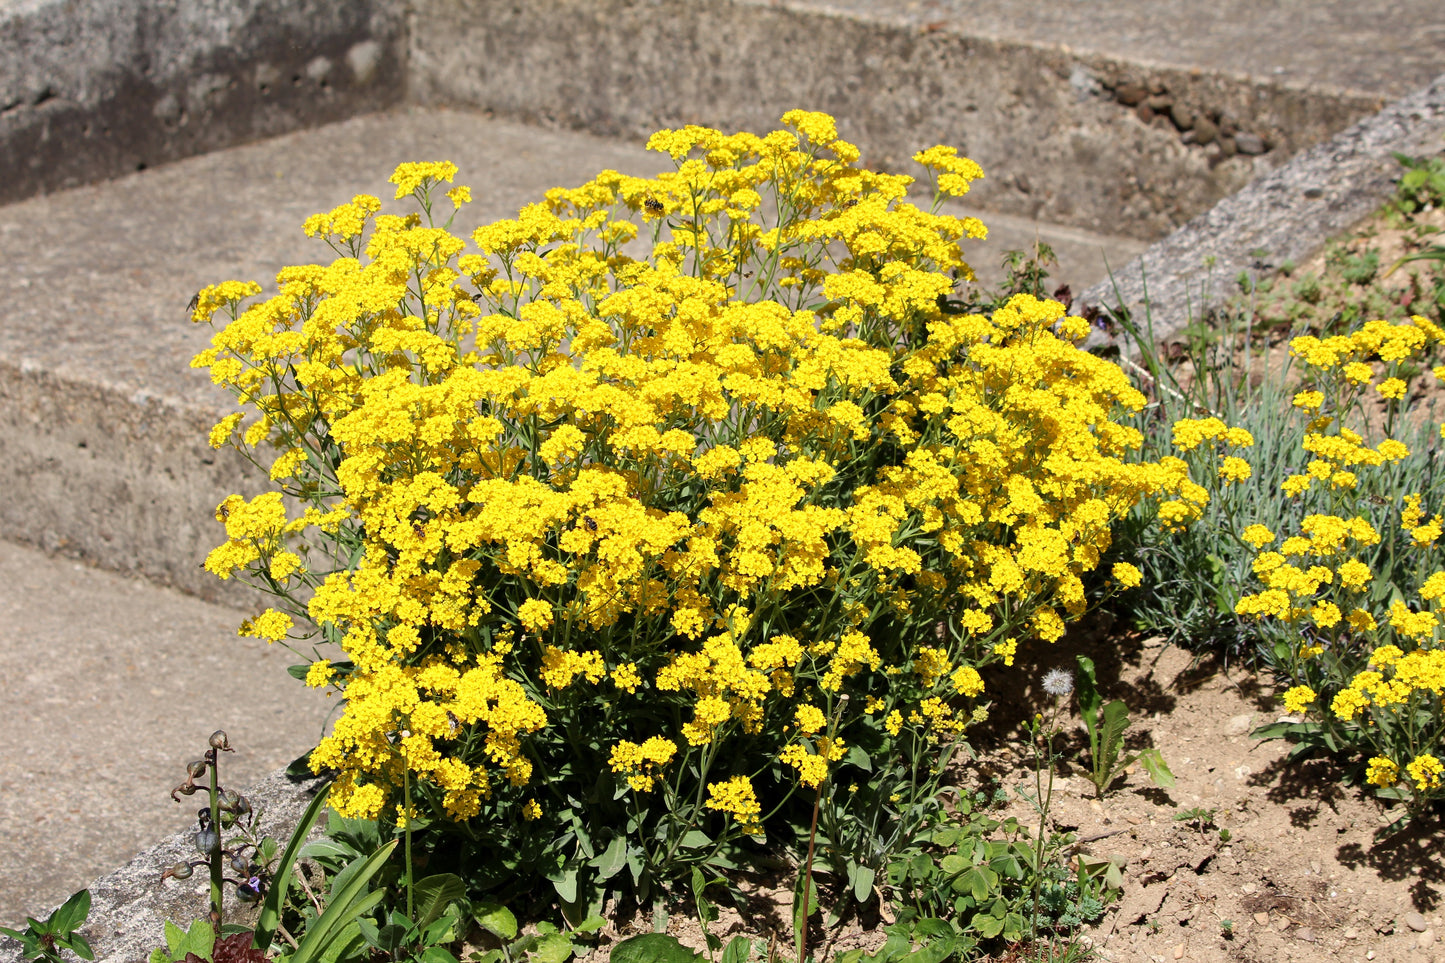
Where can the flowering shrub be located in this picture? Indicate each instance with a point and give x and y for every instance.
(667, 499)
(1360, 583)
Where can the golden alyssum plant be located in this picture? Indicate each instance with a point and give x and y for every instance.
(1362, 580)
(608, 509)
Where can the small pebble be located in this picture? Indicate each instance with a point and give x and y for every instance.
(1249, 143)
(1179, 952)
(1415, 921)
(1305, 933)
(1352, 933)
(1425, 940)
(1370, 955)
(1262, 918)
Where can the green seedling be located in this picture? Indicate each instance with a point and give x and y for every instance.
(1106, 724)
(43, 940)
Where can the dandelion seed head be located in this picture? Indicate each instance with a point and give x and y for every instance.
(1058, 682)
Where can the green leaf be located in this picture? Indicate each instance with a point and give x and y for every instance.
(988, 926)
(200, 939)
(858, 757)
(565, 883)
(952, 864)
(611, 860)
(1153, 762)
(270, 914)
(696, 839)
(71, 916)
(79, 946)
(863, 878)
(348, 903)
(652, 948)
(739, 949)
(553, 948)
(432, 895)
(1088, 693)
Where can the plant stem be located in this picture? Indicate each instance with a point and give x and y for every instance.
(213, 858)
(802, 929)
(406, 790)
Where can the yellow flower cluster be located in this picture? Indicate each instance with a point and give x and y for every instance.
(709, 433)
(1371, 665)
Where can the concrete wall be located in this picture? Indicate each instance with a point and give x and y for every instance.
(92, 89)
(1060, 134)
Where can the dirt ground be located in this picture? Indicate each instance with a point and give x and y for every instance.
(1301, 876)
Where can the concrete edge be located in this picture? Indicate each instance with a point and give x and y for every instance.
(1286, 215)
(125, 481)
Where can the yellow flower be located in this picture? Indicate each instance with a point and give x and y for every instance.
(532, 810)
(535, 614)
(1382, 772)
(1392, 388)
(736, 797)
(1257, 535)
(1427, 771)
(1297, 699)
(1127, 575)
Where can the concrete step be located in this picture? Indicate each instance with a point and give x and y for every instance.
(103, 424)
(108, 687)
(1042, 94)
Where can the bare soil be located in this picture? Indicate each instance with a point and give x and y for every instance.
(1301, 876)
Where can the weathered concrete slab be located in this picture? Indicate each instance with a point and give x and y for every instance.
(93, 89)
(108, 687)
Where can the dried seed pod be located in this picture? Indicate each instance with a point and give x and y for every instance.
(219, 740)
(207, 841)
(196, 769)
(178, 871)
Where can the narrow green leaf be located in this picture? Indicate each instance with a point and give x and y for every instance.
(863, 883)
(610, 862)
(345, 906)
(270, 915)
